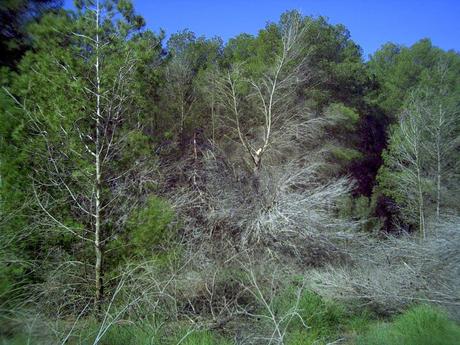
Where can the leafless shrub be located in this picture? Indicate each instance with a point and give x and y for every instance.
(390, 274)
(282, 203)
(295, 200)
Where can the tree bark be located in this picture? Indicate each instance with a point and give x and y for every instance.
(438, 187)
(421, 205)
(99, 296)
(438, 158)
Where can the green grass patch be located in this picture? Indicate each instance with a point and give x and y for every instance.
(126, 333)
(421, 325)
(17, 340)
(202, 338)
(145, 335)
(326, 320)
(122, 335)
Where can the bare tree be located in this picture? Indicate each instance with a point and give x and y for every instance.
(442, 128)
(407, 160)
(180, 91)
(411, 127)
(421, 151)
(273, 93)
(209, 92)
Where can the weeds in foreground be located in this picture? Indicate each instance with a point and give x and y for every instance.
(320, 321)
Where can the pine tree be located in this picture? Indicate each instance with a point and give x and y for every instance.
(81, 119)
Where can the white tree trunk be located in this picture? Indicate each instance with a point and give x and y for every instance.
(421, 205)
(97, 211)
(438, 161)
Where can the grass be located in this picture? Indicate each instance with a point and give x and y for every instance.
(17, 340)
(142, 334)
(421, 325)
(128, 334)
(204, 338)
(326, 320)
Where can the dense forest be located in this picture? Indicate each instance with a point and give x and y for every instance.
(276, 188)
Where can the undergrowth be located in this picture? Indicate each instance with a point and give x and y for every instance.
(319, 321)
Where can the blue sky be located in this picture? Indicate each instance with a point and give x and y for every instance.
(371, 23)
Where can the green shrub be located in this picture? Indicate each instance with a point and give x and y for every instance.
(150, 233)
(344, 154)
(359, 208)
(421, 325)
(9, 275)
(345, 207)
(151, 226)
(323, 316)
(343, 115)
